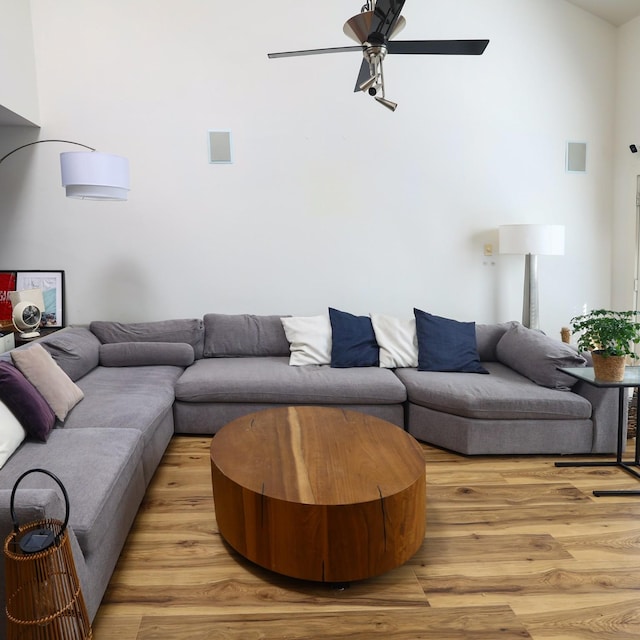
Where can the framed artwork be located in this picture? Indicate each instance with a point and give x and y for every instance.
(52, 285)
(7, 284)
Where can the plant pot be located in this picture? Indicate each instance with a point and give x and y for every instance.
(608, 368)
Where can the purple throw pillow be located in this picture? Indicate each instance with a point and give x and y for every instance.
(26, 403)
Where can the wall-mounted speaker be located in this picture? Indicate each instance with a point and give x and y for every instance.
(576, 157)
(220, 147)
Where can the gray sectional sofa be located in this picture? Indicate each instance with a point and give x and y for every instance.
(143, 382)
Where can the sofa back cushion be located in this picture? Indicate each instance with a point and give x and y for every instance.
(487, 338)
(186, 330)
(75, 350)
(244, 335)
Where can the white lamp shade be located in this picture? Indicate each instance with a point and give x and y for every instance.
(91, 175)
(536, 239)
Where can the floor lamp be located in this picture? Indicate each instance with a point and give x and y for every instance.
(89, 175)
(531, 240)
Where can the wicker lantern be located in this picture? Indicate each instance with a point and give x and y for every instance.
(44, 599)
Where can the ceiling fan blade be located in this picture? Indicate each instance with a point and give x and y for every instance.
(313, 52)
(363, 76)
(385, 16)
(439, 47)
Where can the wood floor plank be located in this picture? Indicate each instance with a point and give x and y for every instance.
(506, 579)
(514, 548)
(507, 494)
(606, 622)
(465, 549)
(235, 585)
(455, 624)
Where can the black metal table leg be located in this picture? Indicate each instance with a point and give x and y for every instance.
(626, 466)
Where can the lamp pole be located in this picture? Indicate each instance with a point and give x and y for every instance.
(530, 301)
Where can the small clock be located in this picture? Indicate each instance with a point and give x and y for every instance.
(26, 318)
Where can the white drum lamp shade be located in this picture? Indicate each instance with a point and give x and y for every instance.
(537, 239)
(531, 240)
(92, 175)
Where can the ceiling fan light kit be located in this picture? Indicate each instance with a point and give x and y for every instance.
(373, 28)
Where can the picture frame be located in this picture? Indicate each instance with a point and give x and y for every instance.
(7, 285)
(52, 285)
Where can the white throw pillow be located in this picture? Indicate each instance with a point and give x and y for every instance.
(12, 433)
(309, 339)
(397, 340)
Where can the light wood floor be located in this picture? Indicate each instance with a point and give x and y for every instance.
(514, 548)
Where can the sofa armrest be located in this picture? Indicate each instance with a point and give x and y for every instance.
(604, 403)
(30, 505)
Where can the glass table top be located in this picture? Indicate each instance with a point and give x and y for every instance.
(631, 376)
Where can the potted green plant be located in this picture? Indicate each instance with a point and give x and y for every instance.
(610, 336)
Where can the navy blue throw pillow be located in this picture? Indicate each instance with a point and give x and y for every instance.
(446, 345)
(353, 341)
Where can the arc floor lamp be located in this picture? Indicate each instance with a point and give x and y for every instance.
(531, 240)
(89, 175)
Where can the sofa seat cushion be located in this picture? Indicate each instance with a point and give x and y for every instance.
(272, 380)
(130, 397)
(100, 469)
(502, 395)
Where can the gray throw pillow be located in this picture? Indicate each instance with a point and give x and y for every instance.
(137, 354)
(537, 357)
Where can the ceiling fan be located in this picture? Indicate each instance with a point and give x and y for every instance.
(373, 28)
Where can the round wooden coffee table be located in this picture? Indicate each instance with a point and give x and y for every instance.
(318, 493)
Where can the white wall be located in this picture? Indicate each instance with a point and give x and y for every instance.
(627, 165)
(331, 199)
(18, 92)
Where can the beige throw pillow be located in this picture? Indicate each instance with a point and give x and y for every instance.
(42, 371)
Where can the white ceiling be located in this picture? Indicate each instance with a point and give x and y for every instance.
(617, 12)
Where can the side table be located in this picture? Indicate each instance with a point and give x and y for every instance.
(43, 332)
(631, 379)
